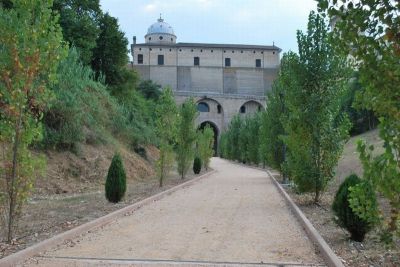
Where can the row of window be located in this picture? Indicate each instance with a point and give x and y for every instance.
(161, 38)
(201, 50)
(196, 61)
(204, 107)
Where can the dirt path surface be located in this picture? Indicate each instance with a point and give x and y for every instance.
(234, 215)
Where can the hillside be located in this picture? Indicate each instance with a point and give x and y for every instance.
(349, 162)
(69, 173)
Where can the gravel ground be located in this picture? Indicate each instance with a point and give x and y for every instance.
(235, 215)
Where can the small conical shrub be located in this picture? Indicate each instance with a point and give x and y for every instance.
(347, 218)
(197, 165)
(116, 180)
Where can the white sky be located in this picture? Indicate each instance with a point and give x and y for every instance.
(258, 22)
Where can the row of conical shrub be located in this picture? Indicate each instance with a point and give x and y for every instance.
(115, 186)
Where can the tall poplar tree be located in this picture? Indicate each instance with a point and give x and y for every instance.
(186, 136)
(315, 131)
(166, 128)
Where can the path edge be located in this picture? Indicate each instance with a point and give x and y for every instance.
(18, 257)
(330, 258)
(327, 253)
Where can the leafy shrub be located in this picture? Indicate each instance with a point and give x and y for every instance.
(116, 180)
(197, 165)
(347, 218)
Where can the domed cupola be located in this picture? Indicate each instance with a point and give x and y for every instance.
(160, 33)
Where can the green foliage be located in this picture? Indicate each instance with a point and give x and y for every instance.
(31, 46)
(6, 3)
(79, 21)
(197, 165)
(110, 54)
(150, 89)
(253, 147)
(138, 111)
(382, 172)
(186, 136)
(315, 131)
(229, 144)
(84, 112)
(347, 218)
(166, 129)
(205, 144)
(238, 141)
(82, 108)
(223, 145)
(271, 145)
(115, 186)
(362, 120)
(368, 31)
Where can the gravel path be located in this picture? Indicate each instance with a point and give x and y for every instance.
(234, 215)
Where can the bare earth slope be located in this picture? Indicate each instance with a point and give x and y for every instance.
(235, 215)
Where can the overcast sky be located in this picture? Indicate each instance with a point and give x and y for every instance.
(259, 22)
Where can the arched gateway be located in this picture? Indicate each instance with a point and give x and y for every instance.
(224, 79)
(216, 133)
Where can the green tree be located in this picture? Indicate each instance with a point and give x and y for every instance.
(166, 129)
(244, 140)
(272, 146)
(362, 119)
(205, 144)
(110, 54)
(233, 150)
(315, 131)
(186, 136)
(253, 147)
(31, 47)
(368, 31)
(150, 89)
(115, 186)
(79, 20)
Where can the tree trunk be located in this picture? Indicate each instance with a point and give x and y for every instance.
(11, 190)
(394, 213)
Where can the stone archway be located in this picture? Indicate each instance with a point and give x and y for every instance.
(250, 107)
(215, 129)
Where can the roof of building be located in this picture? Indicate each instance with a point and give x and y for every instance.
(227, 46)
(160, 27)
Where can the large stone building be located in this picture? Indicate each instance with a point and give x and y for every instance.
(224, 79)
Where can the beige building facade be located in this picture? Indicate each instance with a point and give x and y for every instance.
(224, 79)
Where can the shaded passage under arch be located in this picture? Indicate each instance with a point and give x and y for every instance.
(215, 130)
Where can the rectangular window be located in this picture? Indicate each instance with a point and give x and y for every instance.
(160, 59)
(227, 62)
(258, 63)
(140, 58)
(196, 61)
